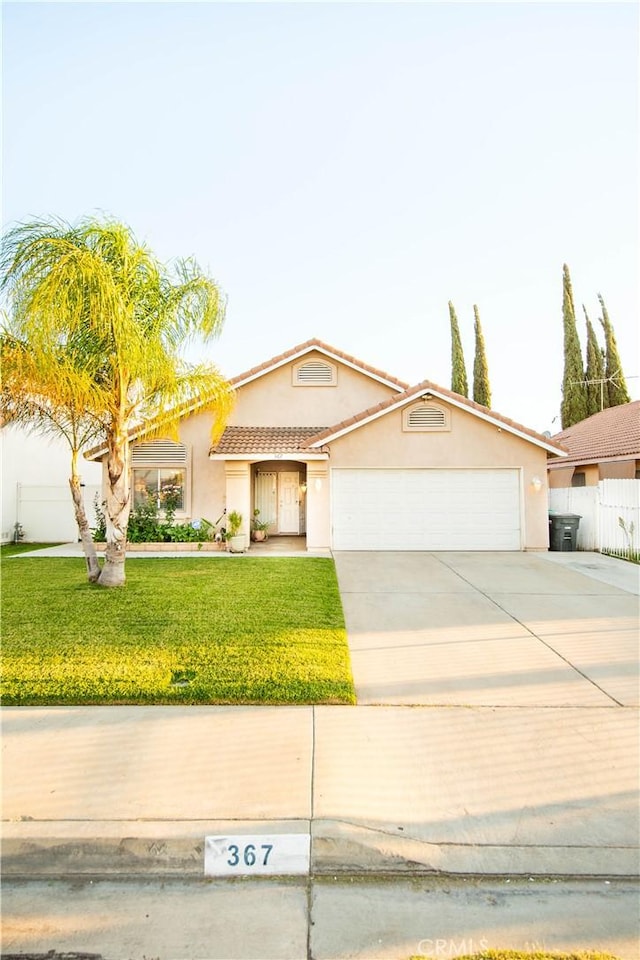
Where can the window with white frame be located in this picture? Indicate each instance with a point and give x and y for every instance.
(426, 417)
(159, 474)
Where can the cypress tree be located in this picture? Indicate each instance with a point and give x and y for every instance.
(459, 383)
(597, 394)
(616, 385)
(481, 388)
(574, 395)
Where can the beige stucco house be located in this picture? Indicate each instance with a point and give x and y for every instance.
(329, 448)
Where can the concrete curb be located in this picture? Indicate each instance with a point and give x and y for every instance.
(126, 849)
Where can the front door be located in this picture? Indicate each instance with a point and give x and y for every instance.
(289, 503)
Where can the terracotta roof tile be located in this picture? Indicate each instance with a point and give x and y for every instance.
(251, 440)
(427, 386)
(614, 432)
(307, 345)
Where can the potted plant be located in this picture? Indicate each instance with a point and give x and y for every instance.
(259, 528)
(236, 541)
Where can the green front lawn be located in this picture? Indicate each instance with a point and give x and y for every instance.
(13, 549)
(185, 631)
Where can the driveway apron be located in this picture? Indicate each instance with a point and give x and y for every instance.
(496, 728)
(486, 629)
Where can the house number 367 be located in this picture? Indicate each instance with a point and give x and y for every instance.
(250, 855)
(257, 854)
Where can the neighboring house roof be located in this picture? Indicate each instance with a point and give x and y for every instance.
(319, 346)
(243, 440)
(431, 390)
(612, 434)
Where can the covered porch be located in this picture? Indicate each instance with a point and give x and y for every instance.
(271, 478)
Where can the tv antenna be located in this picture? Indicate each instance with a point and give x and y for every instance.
(614, 378)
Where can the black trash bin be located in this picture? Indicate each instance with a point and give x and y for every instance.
(563, 531)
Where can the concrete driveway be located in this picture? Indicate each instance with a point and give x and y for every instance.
(491, 629)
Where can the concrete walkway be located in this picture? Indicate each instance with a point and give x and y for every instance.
(496, 738)
(278, 546)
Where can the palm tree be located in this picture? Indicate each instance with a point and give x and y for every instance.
(92, 291)
(42, 395)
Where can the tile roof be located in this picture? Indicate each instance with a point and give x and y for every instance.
(427, 386)
(264, 439)
(291, 439)
(306, 347)
(612, 433)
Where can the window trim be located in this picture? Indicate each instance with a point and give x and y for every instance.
(180, 462)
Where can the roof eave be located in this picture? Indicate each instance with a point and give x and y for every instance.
(595, 460)
(315, 347)
(255, 456)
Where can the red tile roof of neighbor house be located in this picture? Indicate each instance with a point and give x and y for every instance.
(612, 434)
(264, 439)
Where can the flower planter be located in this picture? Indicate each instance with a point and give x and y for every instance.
(238, 544)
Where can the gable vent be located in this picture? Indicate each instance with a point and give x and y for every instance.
(426, 417)
(159, 452)
(315, 373)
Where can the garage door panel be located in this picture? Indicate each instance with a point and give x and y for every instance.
(426, 509)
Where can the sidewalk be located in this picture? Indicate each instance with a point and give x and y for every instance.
(134, 790)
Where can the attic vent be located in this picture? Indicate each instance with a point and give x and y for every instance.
(159, 452)
(315, 373)
(426, 416)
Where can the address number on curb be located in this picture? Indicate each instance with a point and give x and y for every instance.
(257, 854)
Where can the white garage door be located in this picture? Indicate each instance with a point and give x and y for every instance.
(426, 509)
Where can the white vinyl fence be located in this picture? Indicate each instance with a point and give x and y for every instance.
(610, 515)
(46, 513)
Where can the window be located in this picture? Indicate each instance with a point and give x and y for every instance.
(579, 480)
(165, 487)
(315, 373)
(426, 416)
(159, 474)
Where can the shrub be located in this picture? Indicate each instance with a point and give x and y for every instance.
(147, 525)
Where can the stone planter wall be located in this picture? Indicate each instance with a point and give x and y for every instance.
(206, 546)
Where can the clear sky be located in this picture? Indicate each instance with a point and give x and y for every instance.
(345, 169)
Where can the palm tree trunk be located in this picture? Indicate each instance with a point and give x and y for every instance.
(88, 546)
(118, 506)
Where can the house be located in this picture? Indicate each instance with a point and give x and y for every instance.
(328, 447)
(605, 446)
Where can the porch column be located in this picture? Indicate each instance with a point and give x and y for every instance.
(318, 516)
(238, 492)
